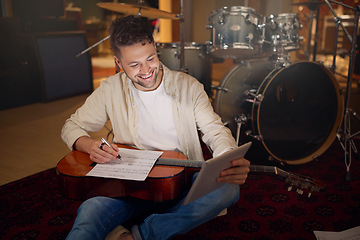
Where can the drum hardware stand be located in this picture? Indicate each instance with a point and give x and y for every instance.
(313, 6)
(242, 119)
(182, 38)
(91, 47)
(344, 134)
(281, 59)
(141, 3)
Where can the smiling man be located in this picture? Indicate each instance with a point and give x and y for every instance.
(150, 107)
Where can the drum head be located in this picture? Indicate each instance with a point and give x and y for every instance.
(299, 113)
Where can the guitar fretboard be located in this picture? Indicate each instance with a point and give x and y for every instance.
(198, 164)
(179, 163)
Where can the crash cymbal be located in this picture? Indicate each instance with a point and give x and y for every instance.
(128, 9)
(312, 5)
(308, 2)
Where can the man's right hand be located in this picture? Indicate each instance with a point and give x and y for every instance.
(92, 147)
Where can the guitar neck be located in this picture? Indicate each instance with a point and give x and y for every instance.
(179, 163)
(264, 169)
(198, 164)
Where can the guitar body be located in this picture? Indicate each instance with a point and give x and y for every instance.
(167, 180)
(162, 184)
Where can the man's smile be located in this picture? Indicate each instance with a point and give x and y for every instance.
(148, 76)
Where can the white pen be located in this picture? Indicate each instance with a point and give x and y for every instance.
(104, 141)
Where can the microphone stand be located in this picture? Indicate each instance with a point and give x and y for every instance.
(344, 134)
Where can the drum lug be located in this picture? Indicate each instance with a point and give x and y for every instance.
(258, 97)
(222, 19)
(221, 39)
(257, 137)
(249, 37)
(247, 18)
(176, 55)
(209, 27)
(301, 39)
(218, 88)
(273, 25)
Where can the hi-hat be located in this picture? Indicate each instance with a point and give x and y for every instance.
(128, 9)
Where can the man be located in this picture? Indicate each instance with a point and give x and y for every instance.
(150, 107)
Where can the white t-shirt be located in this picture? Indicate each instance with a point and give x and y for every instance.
(156, 126)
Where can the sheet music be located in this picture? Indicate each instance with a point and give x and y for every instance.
(133, 165)
(350, 234)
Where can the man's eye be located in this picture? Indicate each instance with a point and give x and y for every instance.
(133, 66)
(150, 59)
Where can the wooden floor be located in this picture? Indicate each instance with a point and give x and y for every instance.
(30, 139)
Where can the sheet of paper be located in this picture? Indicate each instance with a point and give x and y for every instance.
(350, 234)
(133, 165)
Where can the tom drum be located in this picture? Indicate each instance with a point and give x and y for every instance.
(197, 61)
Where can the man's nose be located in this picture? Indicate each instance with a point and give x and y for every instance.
(145, 68)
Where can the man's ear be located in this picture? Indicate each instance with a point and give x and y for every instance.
(118, 63)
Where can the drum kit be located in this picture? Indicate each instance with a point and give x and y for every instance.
(294, 109)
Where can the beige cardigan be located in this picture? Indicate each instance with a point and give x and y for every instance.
(113, 101)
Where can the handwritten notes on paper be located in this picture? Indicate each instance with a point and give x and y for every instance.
(133, 165)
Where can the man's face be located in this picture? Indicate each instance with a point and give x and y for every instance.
(141, 64)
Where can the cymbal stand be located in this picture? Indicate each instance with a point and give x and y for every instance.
(140, 2)
(182, 44)
(344, 134)
(314, 9)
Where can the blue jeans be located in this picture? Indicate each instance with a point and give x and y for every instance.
(98, 216)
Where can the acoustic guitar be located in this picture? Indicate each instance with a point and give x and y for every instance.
(167, 180)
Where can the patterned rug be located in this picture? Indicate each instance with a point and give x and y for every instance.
(33, 207)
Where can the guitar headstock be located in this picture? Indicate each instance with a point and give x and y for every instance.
(301, 183)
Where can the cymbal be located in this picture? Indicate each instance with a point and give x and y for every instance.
(308, 3)
(129, 9)
(312, 5)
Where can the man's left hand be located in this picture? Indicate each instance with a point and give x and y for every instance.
(236, 174)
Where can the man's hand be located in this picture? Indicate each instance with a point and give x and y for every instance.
(236, 174)
(99, 153)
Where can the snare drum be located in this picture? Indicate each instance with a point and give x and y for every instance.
(197, 61)
(294, 111)
(282, 32)
(235, 32)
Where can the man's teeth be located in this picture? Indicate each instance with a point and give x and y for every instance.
(145, 77)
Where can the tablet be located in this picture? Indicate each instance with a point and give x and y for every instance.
(205, 182)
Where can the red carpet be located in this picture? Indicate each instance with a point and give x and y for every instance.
(33, 208)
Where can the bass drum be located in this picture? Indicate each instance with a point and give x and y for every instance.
(294, 111)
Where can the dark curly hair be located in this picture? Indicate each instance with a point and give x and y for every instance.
(129, 30)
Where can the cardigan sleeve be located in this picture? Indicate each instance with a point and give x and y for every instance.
(215, 134)
(90, 117)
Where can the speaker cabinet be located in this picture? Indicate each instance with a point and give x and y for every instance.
(62, 74)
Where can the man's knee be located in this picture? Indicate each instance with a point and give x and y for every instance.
(230, 193)
(91, 205)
